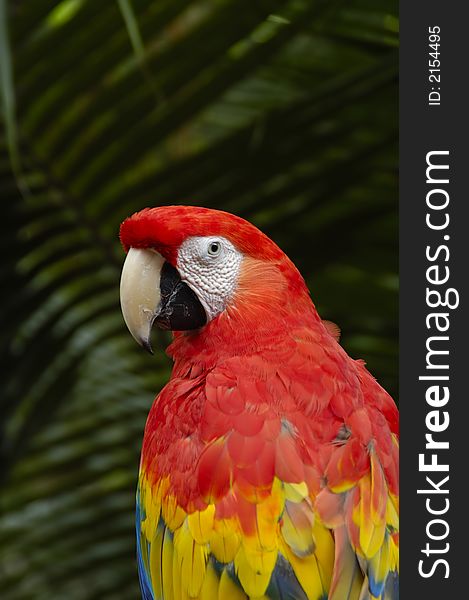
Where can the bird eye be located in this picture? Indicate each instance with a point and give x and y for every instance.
(214, 248)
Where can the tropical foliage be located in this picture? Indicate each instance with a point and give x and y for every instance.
(284, 112)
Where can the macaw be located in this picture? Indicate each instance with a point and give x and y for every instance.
(269, 466)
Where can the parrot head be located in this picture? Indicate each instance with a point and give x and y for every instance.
(188, 268)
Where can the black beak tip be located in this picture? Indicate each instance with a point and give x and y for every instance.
(147, 345)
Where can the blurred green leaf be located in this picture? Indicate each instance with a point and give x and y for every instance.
(132, 27)
(7, 89)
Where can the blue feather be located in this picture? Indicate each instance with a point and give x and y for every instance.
(283, 584)
(391, 591)
(145, 584)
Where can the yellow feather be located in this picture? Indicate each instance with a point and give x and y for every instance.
(297, 527)
(343, 486)
(176, 579)
(191, 560)
(155, 562)
(167, 566)
(380, 563)
(267, 516)
(376, 540)
(392, 516)
(224, 540)
(324, 551)
(371, 533)
(377, 513)
(296, 492)
(201, 524)
(151, 507)
(210, 585)
(254, 569)
(393, 555)
(228, 589)
(365, 521)
(173, 514)
(308, 573)
(145, 528)
(159, 491)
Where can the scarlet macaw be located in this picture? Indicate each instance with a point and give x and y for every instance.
(269, 467)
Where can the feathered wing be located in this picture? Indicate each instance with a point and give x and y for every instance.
(282, 484)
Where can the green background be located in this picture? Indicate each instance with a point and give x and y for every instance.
(282, 112)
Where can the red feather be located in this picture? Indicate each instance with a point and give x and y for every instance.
(214, 472)
(263, 398)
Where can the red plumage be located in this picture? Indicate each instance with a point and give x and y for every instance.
(165, 228)
(264, 392)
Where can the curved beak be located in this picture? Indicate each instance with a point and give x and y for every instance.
(151, 291)
(140, 292)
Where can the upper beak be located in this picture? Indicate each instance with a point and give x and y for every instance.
(140, 292)
(152, 291)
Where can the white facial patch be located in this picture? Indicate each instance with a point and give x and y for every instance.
(210, 266)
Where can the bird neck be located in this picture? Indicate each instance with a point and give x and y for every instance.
(260, 319)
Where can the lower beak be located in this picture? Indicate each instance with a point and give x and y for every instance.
(151, 291)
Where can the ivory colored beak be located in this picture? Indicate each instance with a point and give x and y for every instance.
(140, 292)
